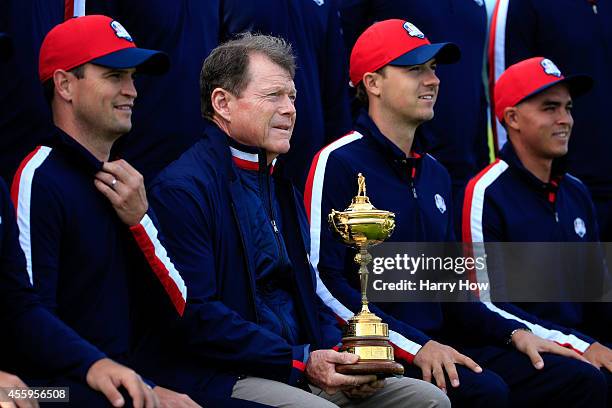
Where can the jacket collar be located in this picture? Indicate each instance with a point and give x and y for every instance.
(235, 155)
(508, 154)
(249, 158)
(73, 150)
(365, 125)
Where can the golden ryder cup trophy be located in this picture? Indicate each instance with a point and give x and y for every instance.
(361, 226)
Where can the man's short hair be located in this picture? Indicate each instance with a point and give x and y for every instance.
(360, 92)
(227, 65)
(49, 85)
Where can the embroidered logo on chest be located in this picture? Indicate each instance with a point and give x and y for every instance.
(579, 227)
(440, 203)
(319, 2)
(479, 2)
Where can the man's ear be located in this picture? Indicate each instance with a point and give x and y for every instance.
(511, 117)
(371, 83)
(63, 83)
(221, 102)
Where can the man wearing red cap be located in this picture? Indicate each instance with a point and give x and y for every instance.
(91, 244)
(393, 66)
(534, 101)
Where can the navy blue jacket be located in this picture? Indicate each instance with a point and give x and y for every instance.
(515, 206)
(313, 29)
(457, 135)
(167, 118)
(54, 349)
(532, 29)
(84, 262)
(418, 190)
(203, 205)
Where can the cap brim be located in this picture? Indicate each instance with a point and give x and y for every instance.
(578, 85)
(145, 61)
(444, 53)
(6, 47)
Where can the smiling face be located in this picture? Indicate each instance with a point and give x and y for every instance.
(103, 100)
(543, 123)
(264, 114)
(410, 92)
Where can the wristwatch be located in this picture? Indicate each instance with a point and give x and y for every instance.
(509, 340)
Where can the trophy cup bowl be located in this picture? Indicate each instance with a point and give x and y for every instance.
(361, 226)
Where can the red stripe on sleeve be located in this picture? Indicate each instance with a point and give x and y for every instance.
(299, 365)
(402, 354)
(148, 249)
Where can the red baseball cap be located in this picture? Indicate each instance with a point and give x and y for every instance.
(528, 78)
(99, 40)
(396, 42)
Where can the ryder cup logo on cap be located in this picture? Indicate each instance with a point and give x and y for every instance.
(550, 68)
(413, 30)
(98, 40)
(386, 43)
(530, 77)
(121, 31)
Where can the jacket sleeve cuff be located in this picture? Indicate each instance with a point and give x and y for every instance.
(89, 360)
(298, 364)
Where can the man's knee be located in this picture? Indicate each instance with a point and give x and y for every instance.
(578, 382)
(419, 394)
(486, 389)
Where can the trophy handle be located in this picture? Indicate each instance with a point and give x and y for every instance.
(332, 220)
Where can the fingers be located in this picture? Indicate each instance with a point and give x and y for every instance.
(352, 380)
(426, 373)
(468, 362)
(563, 351)
(8, 404)
(121, 169)
(451, 370)
(151, 400)
(535, 357)
(438, 374)
(26, 403)
(135, 388)
(342, 358)
(111, 392)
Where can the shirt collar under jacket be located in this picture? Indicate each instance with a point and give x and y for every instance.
(366, 126)
(73, 150)
(508, 154)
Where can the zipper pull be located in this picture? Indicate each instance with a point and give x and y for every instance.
(556, 216)
(274, 226)
(593, 5)
(414, 193)
(595, 8)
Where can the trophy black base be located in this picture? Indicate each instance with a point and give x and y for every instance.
(382, 369)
